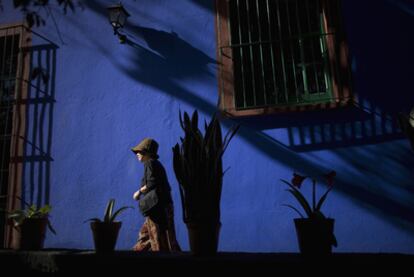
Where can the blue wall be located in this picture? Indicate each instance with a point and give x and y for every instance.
(109, 96)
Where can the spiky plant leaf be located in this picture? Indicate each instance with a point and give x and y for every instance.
(119, 211)
(50, 227)
(295, 209)
(108, 210)
(93, 219)
(198, 168)
(45, 209)
(302, 201)
(194, 120)
(18, 216)
(322, 199)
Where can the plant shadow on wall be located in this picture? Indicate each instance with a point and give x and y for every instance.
(32, 126)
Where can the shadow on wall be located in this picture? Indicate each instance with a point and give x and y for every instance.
(172, 57)
(336, 123)
(162, 60)
(33, 103)
(39, 107)
(330, 129)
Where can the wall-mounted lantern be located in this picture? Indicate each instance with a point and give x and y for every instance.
(117, 17)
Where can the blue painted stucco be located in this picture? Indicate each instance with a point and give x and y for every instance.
(109, 96)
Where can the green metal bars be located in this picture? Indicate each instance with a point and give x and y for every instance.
(280, 55)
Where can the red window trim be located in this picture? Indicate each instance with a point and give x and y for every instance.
(18, 126)
(338, 59)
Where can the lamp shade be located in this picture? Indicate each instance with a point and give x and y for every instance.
(117, 16)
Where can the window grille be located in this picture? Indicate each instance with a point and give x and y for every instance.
(281, 52)
(27, 74)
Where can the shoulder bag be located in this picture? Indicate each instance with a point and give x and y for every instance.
(148, 202)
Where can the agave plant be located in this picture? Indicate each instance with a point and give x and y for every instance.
(110, 215)
(198, 168)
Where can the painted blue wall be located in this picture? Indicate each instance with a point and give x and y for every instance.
(109, 96)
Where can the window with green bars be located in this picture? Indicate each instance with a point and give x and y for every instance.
(277, 54)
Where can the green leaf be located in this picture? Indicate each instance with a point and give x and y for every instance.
(194, 120)
(287, 183)
(302, 201)
(51, 228)
(93, 219)
(334, 242)
(45, 209)
(32, 211)
(178, 170)
(118, 212)
(318, 215)
(16, 214)
(322, 199)
(187, 121)
(290, 206)
(108, 210)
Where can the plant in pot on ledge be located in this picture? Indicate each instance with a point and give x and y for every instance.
(315, 232)
(31, 223)
(199, 172)
(105, 232)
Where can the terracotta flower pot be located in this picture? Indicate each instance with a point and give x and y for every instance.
(32, 233)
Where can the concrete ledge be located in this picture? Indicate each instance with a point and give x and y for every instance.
(67, 261)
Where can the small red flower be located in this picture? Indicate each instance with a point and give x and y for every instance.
(297, 180)
(330, 178)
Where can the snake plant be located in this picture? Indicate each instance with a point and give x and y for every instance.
(198, 167)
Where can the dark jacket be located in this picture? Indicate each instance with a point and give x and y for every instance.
(155, 177)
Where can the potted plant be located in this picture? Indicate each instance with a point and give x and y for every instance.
(314, 230)
(199, 171)
(105, 231)
(31, 223)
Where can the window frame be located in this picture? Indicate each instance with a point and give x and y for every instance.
(338, 55)
(18, 131)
